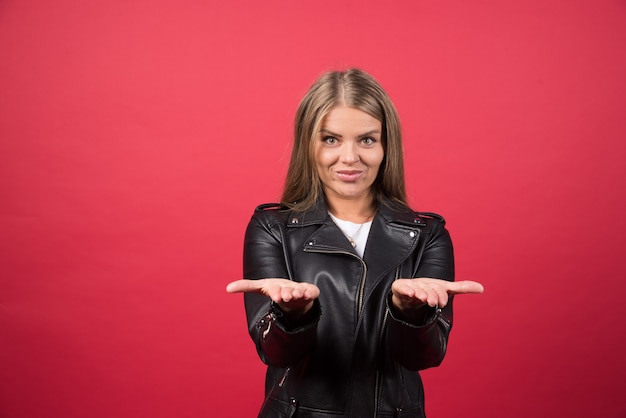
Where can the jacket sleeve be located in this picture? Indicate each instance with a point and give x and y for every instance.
(279, 342)
(418, 346)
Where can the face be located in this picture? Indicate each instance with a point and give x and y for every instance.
(348, 154)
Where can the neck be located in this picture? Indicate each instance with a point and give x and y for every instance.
(356, 211)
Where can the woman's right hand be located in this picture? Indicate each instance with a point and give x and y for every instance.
(292, 297)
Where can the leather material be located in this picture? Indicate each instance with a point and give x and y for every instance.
(353, 357)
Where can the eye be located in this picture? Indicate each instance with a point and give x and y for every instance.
(330, 140)
(368, 140)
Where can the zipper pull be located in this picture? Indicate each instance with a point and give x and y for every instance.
(269, 320)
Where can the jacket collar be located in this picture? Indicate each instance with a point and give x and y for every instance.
(393, 236)
(318, 214)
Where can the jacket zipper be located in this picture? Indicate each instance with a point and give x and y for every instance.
(377, 385)
(284, 378)
(380, 343)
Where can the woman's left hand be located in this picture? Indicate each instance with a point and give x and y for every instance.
(413, 293)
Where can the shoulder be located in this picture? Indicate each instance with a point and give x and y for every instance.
(430, 223)
(276, 219)
(431, 226)
(270, 207)
(266, 223)
(409, 217)
(430, 218)
(277, 213)
(271, 214)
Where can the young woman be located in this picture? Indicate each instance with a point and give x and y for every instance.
(347, 290)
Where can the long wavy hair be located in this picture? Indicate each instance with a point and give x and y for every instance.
(359, 90)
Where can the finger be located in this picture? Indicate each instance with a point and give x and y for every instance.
(274, 292)
(465, 286)
(433, 297)
(300, 291)
(416, 295)
(442, 297)
(297, 293)
(312, 292)
(286, 293)
(423, 289)
(401, 288)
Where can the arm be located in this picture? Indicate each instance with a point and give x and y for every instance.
(282, 314)
(421, 308)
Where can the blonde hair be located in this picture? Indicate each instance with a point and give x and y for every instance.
(357, 89)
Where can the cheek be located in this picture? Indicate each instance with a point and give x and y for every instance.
(323, 159)
(376, 159)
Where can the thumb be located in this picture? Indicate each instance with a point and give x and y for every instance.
(239, 286)
(465, 286)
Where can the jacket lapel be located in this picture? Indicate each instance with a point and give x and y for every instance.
(328, 236)
(393, 238)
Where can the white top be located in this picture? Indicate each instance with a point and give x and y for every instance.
(356, 233)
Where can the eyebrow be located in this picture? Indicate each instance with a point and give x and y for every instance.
(326, 131)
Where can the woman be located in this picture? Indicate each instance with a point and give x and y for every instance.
(348, 290)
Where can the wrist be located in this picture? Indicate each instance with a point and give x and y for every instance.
(292, 318)
(416, 312)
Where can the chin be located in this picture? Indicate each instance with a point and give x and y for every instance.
(352, 195)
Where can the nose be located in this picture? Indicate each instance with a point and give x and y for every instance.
(349, 153)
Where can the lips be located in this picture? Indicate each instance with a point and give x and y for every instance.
(349, 175)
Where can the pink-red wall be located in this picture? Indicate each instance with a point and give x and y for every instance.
(137, 136)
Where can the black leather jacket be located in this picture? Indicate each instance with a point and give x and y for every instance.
(352, 356)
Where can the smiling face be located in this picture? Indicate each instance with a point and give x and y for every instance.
(348, 154)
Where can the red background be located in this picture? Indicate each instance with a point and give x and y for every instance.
(136, 137)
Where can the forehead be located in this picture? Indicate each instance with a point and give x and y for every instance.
(349, 118)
